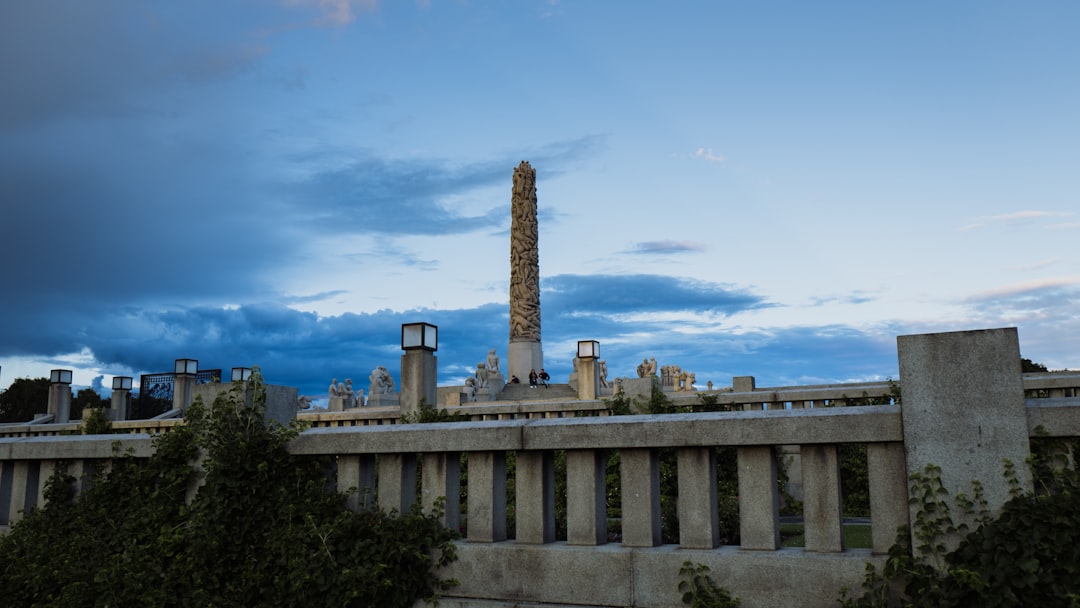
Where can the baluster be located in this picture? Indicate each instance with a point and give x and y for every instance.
(759, 499)
(887, 471)
(535, 498)
(699, 525)
(397, 482)
(441, 478)
(822, 509)
(586, 497)
(487, 497)
(640, 474)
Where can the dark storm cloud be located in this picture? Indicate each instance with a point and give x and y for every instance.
(382, 196)
(614, 294)
(301, 349)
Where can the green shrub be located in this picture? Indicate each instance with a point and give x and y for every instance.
(1029, 555)
(700, 591)
(262, 530)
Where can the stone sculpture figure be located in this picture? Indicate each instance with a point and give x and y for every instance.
(643, 369)
(524, 257)
(492, 361)
(603, 374)
(481, 375)
(469, 391)
(652, 366)
(332, 391)
(382, 383)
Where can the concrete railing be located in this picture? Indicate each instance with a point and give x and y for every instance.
(965, 419)
(585, 569)
(1036, 386)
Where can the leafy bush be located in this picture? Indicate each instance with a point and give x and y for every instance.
(262, 529)
(700, 591)
(1029, 555)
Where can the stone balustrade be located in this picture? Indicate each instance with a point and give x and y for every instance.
(382, 462)
(509, 560)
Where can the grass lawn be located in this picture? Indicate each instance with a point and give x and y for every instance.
(856, 536)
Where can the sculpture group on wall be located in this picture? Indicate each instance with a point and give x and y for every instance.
(677, 378)
(345, 392)
(646, 368)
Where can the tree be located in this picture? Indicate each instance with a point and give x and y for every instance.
(1027, 365)
(23, 399)
(86, 398)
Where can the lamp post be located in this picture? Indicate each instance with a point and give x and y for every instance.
(588, 378)
(60, 395)
(419, 369)
(241, 374)
(121, 397)
(184, 371)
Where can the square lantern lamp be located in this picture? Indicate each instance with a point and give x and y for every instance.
(423, 336)
(60, 376)
(242, 374)
(588, 349)
(121, 383)
(186, 367)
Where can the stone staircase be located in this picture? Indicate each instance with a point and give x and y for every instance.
(522, 392)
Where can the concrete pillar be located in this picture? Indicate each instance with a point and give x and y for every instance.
(487, 497)
(888, 493)
(524, 355)
(356, 477)
(440, 477)
(742, 384)
(699, 522)
(588, 379)
(419, 372)
(183, 385)
(963, 410)
(535, 497)
(118, 406)
(397, 482)
(60, 401)
(759, 499)
(586, 497)
(640, 474)
(822, 508)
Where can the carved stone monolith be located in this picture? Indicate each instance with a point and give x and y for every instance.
(524, 352)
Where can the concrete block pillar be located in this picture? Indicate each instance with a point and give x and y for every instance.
(60, 401)
(586, 497)
(419, 371)
(963, 410)
(118, 405)
(183, 387)
(588, 379)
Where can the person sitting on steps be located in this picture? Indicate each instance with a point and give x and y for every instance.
(532, 378)
(544, 377)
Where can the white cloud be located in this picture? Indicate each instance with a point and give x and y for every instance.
(707, 154)
(336, 12)
(1010, 218)
(1025, 287)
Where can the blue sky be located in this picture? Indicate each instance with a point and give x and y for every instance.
(775, 189)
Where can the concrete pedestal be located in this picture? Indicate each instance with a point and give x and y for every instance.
(963, 410)
(60, 402)
(523, 356)
(118, 405)
(419, 371)
(281, 401)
